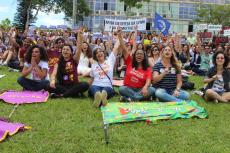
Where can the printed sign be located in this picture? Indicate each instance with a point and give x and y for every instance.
(126, 25)
(214, 27)
(200, 27)
(227, 32)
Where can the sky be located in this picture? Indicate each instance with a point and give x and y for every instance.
(8, 9)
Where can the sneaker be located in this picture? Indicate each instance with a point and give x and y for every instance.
(4, 64)
(104, 98)
(129, 99)
(122, 99)
(54, 95)
(199, 93)
(97, 99)
(216, 101)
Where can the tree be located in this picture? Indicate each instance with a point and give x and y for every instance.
(5, 24)
(67, 7)
(214, 14)
(28, 10)
(23, 17)
(134, 3)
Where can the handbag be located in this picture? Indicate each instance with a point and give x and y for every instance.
(114, 92)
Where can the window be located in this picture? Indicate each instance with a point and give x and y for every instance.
(105, 6)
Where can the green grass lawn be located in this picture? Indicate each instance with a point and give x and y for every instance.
(74, 125)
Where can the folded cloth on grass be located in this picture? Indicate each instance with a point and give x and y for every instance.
(2, 75)
(150, 112)
(118, 83)
(10, 129)
(24, 97)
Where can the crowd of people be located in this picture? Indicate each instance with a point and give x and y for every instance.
(151, 65)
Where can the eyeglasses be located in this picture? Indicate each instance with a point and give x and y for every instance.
(139, 53)
(220, 58)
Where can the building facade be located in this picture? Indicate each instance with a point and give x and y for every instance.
(180, 13)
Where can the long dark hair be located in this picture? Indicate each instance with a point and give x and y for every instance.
(61, 65)
(43, 53)
(226, 59)
(144, 63)
(89, 51)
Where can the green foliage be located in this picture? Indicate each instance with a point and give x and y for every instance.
(67, 7)
(134, 3)
(21, 15)
(5, 24)
(47, 6)
(214, 14)
(74, 126)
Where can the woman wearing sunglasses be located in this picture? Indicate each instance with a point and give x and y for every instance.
(218, 79)
(155, 56)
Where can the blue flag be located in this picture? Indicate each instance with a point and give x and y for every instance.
(162, 24)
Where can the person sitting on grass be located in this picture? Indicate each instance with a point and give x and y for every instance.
(85, 60)
(101, 75)
(64, 78)
(167, 78)
(36, 65)
(218, 79)
(137, 81)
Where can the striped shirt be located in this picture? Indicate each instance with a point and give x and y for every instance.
(168, 82)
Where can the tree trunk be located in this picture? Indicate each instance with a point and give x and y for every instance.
(28, 16)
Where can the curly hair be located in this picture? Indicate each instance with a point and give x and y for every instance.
(43, 53)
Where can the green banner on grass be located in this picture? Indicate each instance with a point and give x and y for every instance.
(126, 112)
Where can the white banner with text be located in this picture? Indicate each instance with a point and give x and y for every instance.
(125, 25)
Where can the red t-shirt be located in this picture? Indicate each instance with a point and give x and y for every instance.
(136, 78)
(22, 52)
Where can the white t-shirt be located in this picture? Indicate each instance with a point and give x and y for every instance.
(42, 65)
(84, 61)
(100, 78)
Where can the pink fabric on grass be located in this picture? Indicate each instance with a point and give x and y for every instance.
(118, 83)
(10, 129)
(24, 97)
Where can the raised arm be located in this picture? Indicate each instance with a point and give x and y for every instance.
(77, 54)
(125, 50)
(116, 47)
(178, 43)
(134, 40)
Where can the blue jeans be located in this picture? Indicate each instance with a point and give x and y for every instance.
(93, 89)
(33, 85)
(134, 93)
(166, 96)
